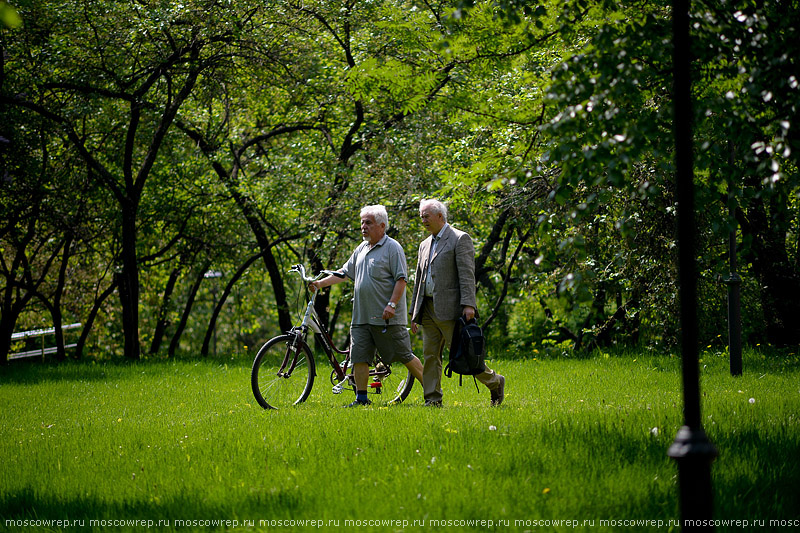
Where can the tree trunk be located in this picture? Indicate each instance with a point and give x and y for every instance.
(495, 236)
(58, 316)
(777, 276)
(187, 310)
(129, 282)
(247, 206)
(218, 305)
(7, 325)
(87, 326)
(16, 293)
(163, 312)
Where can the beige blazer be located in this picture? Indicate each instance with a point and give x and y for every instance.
(453, 272)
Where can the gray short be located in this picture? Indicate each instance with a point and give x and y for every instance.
(394, 345)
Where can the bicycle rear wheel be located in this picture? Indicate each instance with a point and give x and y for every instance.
(386, 389)
(394, 388)
(397, 385)
(283, 372)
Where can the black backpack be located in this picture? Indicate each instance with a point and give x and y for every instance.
(467, 350)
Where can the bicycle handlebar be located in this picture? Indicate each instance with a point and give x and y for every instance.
(301, 269)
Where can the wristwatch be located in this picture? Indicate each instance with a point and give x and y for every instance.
(392, 305)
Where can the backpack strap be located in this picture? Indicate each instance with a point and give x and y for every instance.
(449, 374)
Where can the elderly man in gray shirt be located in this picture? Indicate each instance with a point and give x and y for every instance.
(378, 268)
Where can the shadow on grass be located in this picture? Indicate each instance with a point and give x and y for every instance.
(36, 372)
(757, 475)
(28, 505)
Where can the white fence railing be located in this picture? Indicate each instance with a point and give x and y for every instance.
(44, 350)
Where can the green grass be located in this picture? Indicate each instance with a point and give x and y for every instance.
(582, 439)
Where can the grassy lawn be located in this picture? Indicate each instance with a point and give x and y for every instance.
(580, 439)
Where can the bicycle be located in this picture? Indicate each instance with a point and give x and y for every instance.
(284, 369)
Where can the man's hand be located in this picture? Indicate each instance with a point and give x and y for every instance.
(388, 312)
(325, 282)
(469, 313)
(414, 328)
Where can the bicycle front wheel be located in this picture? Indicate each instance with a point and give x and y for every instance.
(283, 372)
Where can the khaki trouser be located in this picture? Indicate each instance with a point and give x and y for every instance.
(436, 338)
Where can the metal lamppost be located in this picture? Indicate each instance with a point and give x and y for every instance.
(734, 283)
(691, 449)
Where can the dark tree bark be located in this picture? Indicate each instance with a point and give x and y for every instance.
(778, 277)
(87, 326)
(187, 310)
(212, 324)
(162, 321)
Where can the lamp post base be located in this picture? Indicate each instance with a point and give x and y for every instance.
(694, 454)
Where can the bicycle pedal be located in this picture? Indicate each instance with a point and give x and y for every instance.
(337, 389)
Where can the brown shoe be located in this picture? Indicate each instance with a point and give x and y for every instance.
(498, 394)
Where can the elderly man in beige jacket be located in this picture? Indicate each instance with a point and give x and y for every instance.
(443, 292)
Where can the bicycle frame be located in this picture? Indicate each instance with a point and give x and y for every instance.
(311, 321)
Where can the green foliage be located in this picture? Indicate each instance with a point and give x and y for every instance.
(602, 156)
(546, 126)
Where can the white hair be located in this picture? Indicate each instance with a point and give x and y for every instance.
(378, 212)
(435, 206)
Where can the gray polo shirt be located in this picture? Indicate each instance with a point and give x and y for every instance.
(375, 272)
